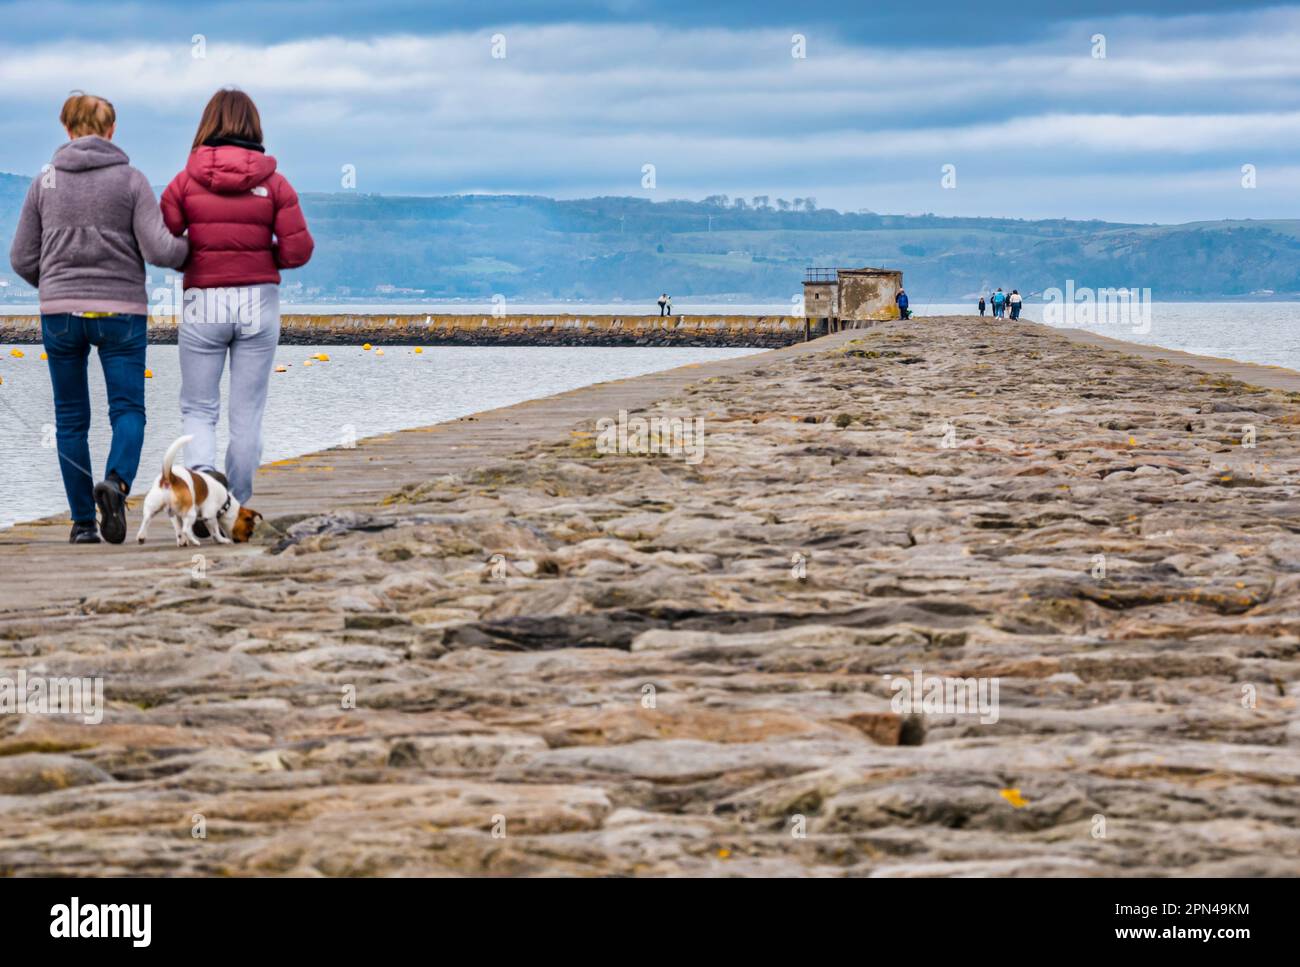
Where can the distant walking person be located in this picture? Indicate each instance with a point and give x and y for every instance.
(901, 300)
(245, 225)
(88, 225)
(1014, 301)
(663, 304)
(999, 303)
(981, 306)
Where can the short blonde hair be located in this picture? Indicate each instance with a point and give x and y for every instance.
(85, 114)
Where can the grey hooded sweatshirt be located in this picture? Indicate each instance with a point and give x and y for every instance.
(88, 224)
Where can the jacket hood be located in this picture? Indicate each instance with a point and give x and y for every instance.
(227, 169)
(92, 151)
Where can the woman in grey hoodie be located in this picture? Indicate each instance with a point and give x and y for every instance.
(88, 224)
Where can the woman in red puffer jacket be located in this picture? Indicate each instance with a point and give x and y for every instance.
(244, 225)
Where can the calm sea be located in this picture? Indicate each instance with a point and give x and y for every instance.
(1253, 332)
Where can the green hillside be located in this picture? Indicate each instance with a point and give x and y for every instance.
(526, 247)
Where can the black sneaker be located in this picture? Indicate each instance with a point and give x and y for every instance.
(86, 533)
(110, 498)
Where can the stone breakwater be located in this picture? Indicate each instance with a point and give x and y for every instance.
(570, 661)
(490, 330)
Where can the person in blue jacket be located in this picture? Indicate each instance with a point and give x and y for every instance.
(999, 301)
(901, 299)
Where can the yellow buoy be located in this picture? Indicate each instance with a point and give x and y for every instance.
(366, 347)
(148, 374)
(282, 368)
(16, 353)
(43, 356)
(419, 349)
(322, 357)
(307, 362)
(379, 352)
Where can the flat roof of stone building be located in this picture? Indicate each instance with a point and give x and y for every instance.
(870, 271)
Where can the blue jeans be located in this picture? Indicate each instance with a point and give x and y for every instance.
(121, 341)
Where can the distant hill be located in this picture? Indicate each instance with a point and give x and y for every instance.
(378, 247)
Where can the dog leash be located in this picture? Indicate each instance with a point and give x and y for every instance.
(18, 416)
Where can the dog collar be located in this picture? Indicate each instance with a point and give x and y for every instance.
(224, 507)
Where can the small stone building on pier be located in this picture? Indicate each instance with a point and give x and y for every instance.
(852, 296)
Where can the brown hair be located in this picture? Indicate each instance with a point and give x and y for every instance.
(85, 114)
(230, 114)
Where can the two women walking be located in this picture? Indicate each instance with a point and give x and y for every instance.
(89, 223)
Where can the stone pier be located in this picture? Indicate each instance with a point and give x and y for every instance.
(941, 598)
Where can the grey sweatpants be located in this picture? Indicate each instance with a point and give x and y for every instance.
(244, 322)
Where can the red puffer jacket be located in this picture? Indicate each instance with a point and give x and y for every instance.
(243, 217)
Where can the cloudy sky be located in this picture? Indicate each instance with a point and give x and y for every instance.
(1013, 95)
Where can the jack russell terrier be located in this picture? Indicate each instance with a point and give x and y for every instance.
(192, 495)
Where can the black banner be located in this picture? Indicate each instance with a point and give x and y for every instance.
(298, 917)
